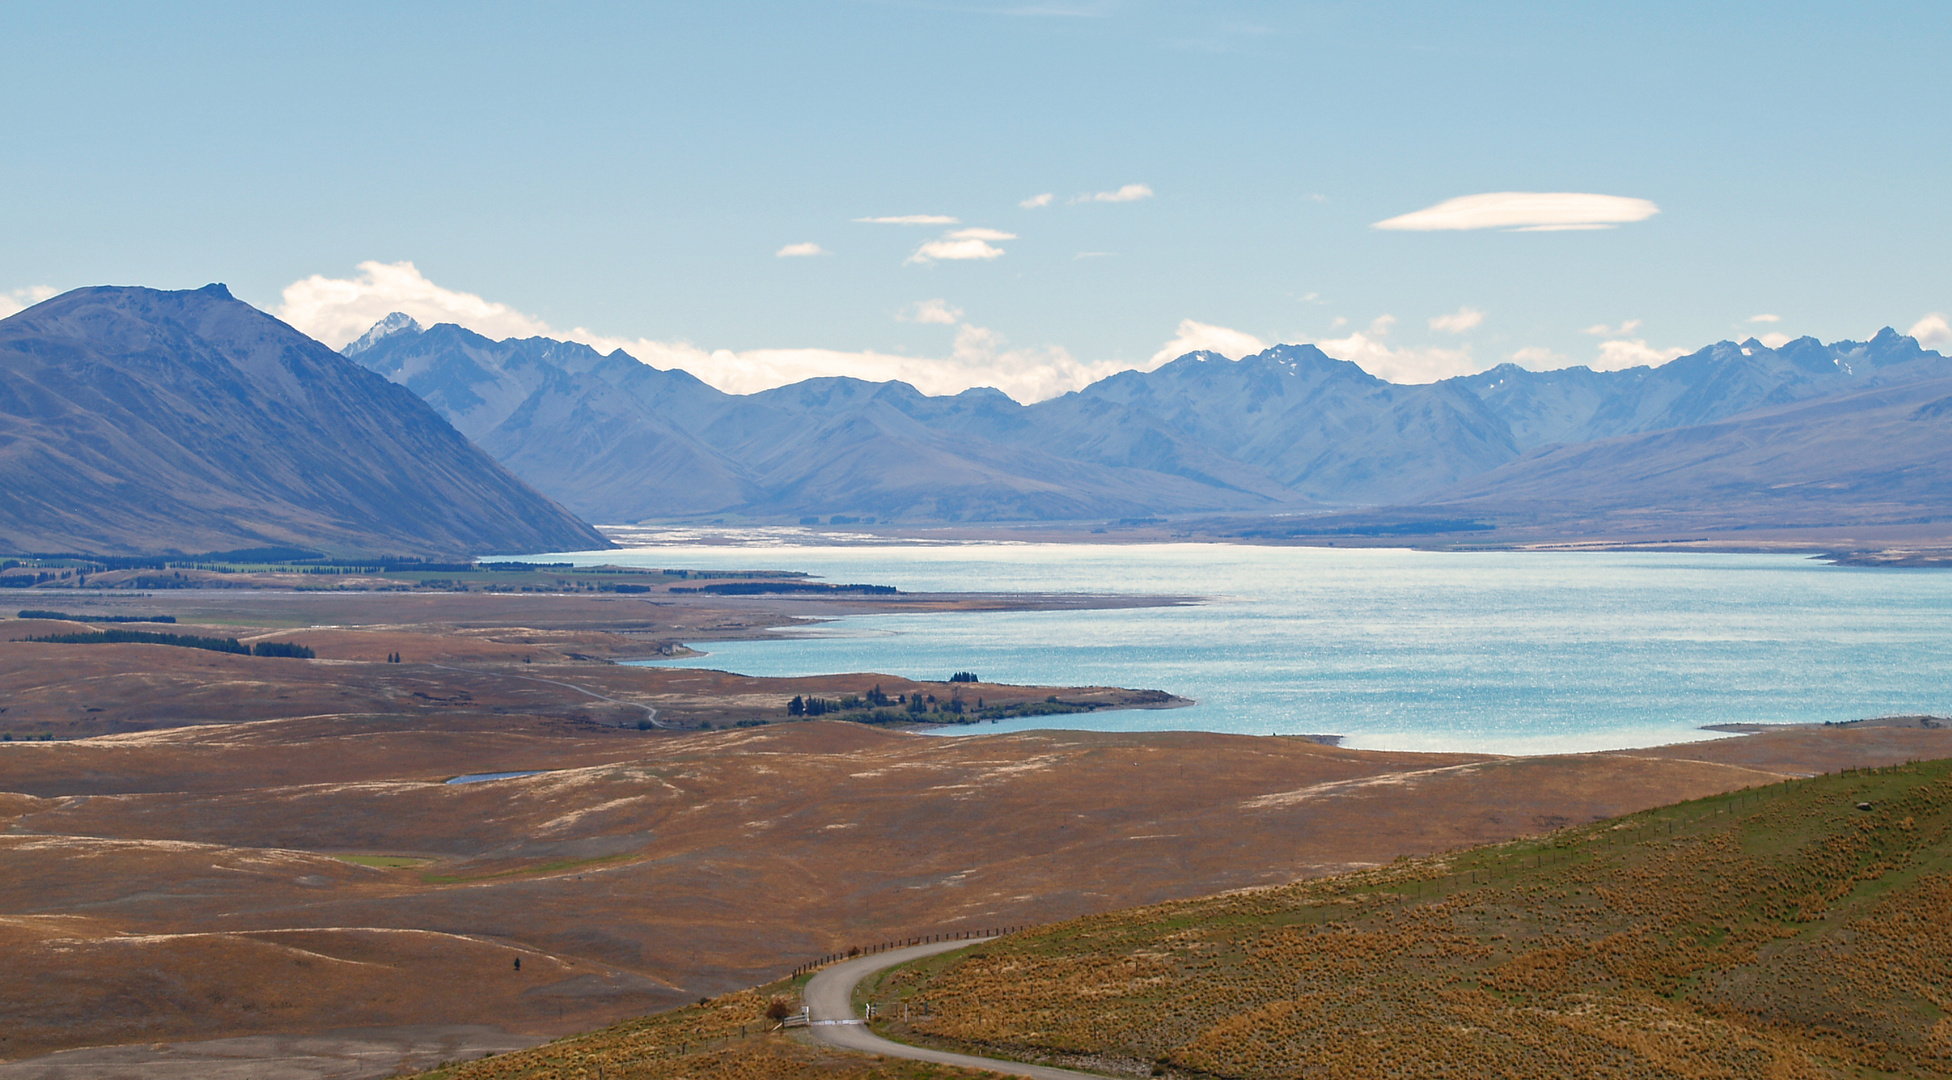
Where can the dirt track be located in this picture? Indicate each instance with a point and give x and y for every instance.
(829, 996)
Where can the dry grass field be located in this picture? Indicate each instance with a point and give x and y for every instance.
(1791, 930)
(217, 845)
(1795, 930)
(725, 1038)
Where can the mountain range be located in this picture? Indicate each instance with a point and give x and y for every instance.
(1288, 430)
(137, 421)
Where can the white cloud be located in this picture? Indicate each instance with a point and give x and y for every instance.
(931, 311)
(950, 250)
(796, 250)
(979, 357)
(1539, 358)
(1765, 318)
(1199, 336)
(337, 310)
(1775, 341)
(1615, 355)
(1036, 201)
(1626, 327)
(911, 219)
(1457, 322)
(1025, 374)
(1128, 193)
(1407, 365)
(981, 234)
(1525, 211)
(22, 299)
(1932, 331)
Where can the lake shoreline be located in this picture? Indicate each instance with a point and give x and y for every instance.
(1390, 648)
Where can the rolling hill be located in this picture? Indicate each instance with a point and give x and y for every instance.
(136, 421)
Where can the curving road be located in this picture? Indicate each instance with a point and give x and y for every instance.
(830, 997)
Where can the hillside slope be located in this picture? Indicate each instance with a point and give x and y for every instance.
(1793, 930)
(135, 421)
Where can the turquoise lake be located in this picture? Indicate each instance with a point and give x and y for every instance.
(1511, 652)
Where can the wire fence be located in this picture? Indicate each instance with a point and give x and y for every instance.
(903, 943)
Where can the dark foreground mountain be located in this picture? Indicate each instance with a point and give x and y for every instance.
(1289, 430)
(134, 421)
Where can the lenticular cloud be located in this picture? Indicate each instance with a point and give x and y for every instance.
(1525, 211)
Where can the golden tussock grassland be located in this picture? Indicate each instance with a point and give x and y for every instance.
(1796, 930)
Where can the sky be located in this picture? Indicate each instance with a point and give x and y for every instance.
(1022, 195)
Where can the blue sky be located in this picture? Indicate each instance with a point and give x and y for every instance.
(630, 175)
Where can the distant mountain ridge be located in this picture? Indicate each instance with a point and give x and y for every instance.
(1869, 455)
(1575, 405)
(137, 421)
(1286, 430)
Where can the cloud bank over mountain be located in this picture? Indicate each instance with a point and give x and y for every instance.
(337, 310)
(21, 299)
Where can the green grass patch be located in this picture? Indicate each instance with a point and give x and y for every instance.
(553, 867)
(385, 862)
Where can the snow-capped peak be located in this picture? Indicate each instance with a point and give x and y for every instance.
(397, 323)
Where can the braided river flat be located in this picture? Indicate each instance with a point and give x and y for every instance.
(1506, 652)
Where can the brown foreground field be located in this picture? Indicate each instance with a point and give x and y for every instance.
(270, 845)
(1794, 930)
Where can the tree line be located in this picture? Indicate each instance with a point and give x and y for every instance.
(288, 649)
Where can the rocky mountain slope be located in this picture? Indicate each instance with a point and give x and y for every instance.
(1287, 430)
(135, 421)
(618, 440)
(1871, 455)
(1575, 405)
